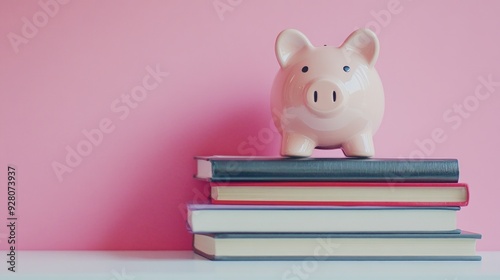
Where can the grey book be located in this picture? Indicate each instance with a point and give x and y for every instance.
(459, 246)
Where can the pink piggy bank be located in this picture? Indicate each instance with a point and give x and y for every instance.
(327, 97)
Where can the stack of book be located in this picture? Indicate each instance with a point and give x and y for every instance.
(331, 208)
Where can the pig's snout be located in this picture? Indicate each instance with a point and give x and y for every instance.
(324, 96)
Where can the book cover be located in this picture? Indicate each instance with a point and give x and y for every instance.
(339, 246)
(229, 169)
(340, 193)
(210, 218)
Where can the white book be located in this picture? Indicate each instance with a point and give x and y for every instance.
(211, 218)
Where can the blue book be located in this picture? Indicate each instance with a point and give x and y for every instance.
(339, 246)
(238, 169)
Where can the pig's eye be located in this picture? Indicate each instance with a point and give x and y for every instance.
(305, 69)
(347, 68)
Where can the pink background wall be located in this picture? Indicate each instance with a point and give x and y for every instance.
(67, 69)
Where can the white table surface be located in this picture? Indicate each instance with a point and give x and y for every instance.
(137, 265)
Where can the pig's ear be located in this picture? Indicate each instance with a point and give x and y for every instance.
(364, 42)
(288, 43)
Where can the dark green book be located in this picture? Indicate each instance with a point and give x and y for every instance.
(397, 170)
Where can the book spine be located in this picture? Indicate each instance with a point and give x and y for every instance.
(341, 203)
(445, 171)
(340, 258)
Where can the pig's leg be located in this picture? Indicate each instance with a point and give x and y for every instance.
(296, 145)
(360, 145)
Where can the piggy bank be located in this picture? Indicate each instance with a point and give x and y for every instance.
(327, 97)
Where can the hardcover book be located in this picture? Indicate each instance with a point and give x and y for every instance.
(229, 169)
(210, 218)
(340, 193)
(338, 246)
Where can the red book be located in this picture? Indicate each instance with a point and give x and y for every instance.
(340, 193)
